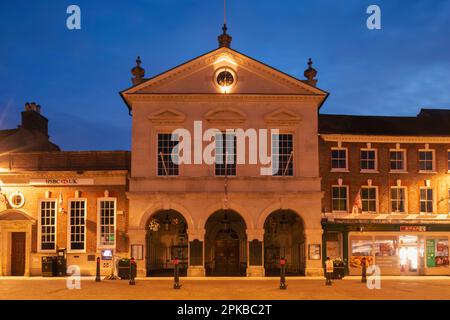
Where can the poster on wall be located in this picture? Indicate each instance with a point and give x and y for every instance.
(314, 252)
(431, 262)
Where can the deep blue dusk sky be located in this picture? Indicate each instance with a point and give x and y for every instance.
(76, 75)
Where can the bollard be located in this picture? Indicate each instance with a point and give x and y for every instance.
(363, 271)
(283, 285)
(97, 274)
(133, 269)
(176, 277)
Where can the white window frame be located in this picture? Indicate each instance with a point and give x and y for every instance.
(405, 162)
(433, 164)
(376, 200)
(376, 160)
(99, 200)
(39, 233)
(347, 200)
(158, 156)
(224, 148)
(69, 243)
(433, 202)
(293, 153)
(346, 159)
(405, 200)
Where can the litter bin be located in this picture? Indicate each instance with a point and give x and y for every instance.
(124, 269)
(48, 266)
(338, 269)
(61, 263)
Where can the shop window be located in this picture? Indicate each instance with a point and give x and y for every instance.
(369, 199)
(437, 253)
(339, 196)
(448, 161)
(225, 154)
(361, 248)
(398, 199)
(426, 160)
(397, 160)
(368, 158)
(167, 144)
(283, 156)
(426, 200)
(339, 159)
(385, 249)
(107, 222)
(77, 225)
(47, 226)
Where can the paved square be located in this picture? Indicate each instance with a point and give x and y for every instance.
(421, 288)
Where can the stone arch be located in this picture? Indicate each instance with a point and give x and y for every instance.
(272, 208)
(212, 209)
(153, 209)
(14, 214)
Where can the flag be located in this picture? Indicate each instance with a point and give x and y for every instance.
(357, 205)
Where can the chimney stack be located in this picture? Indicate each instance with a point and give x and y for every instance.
(33, 120)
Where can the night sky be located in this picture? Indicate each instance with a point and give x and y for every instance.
(76, 75)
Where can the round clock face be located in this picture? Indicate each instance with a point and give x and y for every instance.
(225, 79)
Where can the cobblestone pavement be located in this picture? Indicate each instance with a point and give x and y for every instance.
(226, 288)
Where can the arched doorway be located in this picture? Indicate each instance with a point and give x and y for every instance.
(225, 244)
(284, 237)
(166, 240)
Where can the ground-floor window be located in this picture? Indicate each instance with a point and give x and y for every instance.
(437, 252)
(106, 222)
(77, 224)
(47, 225)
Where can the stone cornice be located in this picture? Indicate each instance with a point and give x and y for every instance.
(383, 139)
(135, 97)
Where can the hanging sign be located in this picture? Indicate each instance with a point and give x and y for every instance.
(61, 182)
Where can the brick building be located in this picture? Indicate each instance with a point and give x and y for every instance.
(386, 184)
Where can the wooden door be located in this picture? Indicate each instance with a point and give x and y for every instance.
(227, 257)
(18, 253)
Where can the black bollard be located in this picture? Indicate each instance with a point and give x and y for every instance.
(363, 271)
(283, 285)
(133, 269)
(97, 274)
(176, 277)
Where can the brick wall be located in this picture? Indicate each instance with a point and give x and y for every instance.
(440, 181)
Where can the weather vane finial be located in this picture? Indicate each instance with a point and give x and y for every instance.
(224, 38)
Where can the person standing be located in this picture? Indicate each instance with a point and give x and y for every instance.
(329, 268)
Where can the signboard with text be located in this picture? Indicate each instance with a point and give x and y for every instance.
(61, 182)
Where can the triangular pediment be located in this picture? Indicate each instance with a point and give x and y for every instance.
(198, 76)
(167, 115)
(225, 116)
(282, 116)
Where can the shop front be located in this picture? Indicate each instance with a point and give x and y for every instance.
(395, 249)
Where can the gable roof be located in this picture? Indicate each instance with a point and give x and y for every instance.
(173, 71)
(429, 122)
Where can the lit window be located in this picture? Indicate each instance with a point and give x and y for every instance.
(338, 159)
(77, 224)
(225, 154)
(283, 156)
(368, 159)
(426, 200)
(397, 160)
(339, 198)
(47, 225)
(106, 223)
(369, 199)
(166, 146)
(398, 199)
(426, 162)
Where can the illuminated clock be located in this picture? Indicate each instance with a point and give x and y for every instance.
(225, 79)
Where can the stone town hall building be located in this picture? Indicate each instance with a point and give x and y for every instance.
(345, 186)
